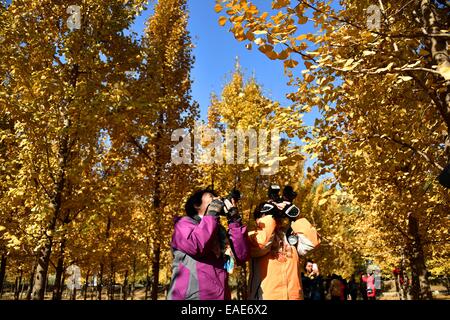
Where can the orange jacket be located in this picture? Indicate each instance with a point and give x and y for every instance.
(274, 268)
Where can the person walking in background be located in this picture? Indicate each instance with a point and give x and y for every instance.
(335, 290)
(353, 288)
(371, 291)
(363, 286)
(345, 291)
(327, 283)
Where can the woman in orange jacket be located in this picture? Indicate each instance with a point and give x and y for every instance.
(274, 264)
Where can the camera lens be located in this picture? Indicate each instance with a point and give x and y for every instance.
(292, 239)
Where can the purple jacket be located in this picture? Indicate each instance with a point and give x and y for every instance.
(197, 273)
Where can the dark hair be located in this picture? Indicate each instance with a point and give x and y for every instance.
(308, 261)
(195, 200)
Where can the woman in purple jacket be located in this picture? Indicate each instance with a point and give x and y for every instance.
(204, 252)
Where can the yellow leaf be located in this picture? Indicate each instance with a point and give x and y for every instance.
(405, 78)
(218, 8)
(265, 48)
(368, 53)
(259, 41)
(302, 20)
(308, 78)
(222, 21)
(283, 55)
(308, 64)
(444, 70)
(250, 36)
(278, 4)
(258, 32)
(290, 63)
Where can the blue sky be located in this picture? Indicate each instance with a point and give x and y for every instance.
(215, 54)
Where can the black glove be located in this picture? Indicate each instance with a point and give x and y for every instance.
(233, 215)
(215, 208)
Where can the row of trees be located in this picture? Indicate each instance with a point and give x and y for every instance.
(86, 176)
(383, 92)
(86, 118)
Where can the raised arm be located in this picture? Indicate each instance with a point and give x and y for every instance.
(261, 238)
(194, 239)
(239, 241)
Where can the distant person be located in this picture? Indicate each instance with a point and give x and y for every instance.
(344, 287)
(353, 288)
(371, 291)
(363, 286)
(327, 282)
(335, 290)
(312, 282)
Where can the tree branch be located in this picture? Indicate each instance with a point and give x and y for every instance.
(409, 146)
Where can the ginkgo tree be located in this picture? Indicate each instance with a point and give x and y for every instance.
(165, 84)
(405, 41)
(56, 88)
(379, 75)
(240, 115)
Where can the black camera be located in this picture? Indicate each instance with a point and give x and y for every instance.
(290, 210)
(233, 195)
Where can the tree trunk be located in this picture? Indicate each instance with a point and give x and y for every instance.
(447, 284)
(86, 285)
(2, 273)
(57, 292)
(125, 286)
(420, 289)
(100, 283)
(134, 279)
(400, 287)
(21, 290)
(31, 280)
(147, 283)
(39, 283)
(111, 282)
(73, 295)
(18, 285)
(397, 287)
(244, 281)
(155, 272)
(159, 159)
